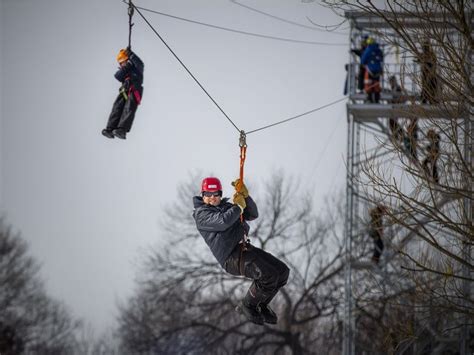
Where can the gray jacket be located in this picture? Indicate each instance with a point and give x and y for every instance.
(220, 225)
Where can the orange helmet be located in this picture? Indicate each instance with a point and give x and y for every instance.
(122, 56)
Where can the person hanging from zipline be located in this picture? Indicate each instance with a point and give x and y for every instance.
(376, 231)
(220, 224)
(130, 74)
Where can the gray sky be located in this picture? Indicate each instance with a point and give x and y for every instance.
(88, 205)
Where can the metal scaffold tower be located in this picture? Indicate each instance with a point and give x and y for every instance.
(387, 139)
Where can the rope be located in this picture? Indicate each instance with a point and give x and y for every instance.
(297, 116)
(240, 31)
(243, 154)
(184, 66)
(130, 24)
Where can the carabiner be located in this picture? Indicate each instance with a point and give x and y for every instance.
(242, 139)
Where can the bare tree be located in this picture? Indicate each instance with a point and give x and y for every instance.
(421, 168)
(30, 321)
(88, 342)
(185, 303)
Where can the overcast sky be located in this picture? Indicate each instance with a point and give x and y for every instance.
(88, 205)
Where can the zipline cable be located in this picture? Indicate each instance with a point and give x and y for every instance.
(184, 66)
(214, 101)
(240, 31)
(297, 116)
(334, 27)
(285, 20)
(328, 141)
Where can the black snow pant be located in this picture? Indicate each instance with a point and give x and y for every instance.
(360, 78)
(429, 91)
(411, 139)
(431, 168)
(268, 273)
(378, 245)
(123, 111)
(396, 129)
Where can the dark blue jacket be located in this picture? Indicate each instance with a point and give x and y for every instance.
(220, 225)
(373, 58)
(131, 72)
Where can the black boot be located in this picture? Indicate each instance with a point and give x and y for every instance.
(249, 305)
(377, 97)
(120, 133)
(108, 133)
(267, 313)
(250, 312)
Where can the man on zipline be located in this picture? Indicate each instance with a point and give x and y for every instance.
(130, 74)
(220, 225)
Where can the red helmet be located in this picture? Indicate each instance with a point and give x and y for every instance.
(211, 184)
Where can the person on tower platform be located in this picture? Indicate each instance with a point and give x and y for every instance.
(359, 52)
(429, 75)
(397, 98)
(372, 59)
(376, 231)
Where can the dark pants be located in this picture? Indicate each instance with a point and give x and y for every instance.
(268, 273)
(372, 87)
(123, 112)
(429, 91)
(396, 129)
(410, 140)
(378, 245)
(360, 79)
(431, 168)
